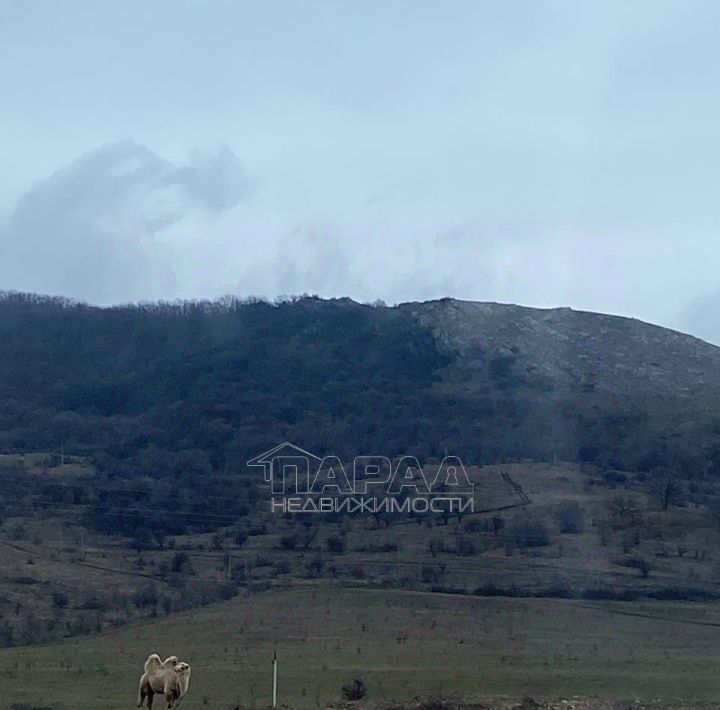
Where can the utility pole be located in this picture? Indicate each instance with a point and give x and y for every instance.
(274, 681)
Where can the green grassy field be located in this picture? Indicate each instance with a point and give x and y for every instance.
(403, 644)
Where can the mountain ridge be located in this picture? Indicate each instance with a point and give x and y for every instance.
(516, 375)
(561, 335)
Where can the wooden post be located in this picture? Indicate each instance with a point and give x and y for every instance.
(274, 681)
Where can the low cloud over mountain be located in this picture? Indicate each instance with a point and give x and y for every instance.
(90, 228)
(121, 223)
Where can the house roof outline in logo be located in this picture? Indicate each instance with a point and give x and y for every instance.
(265, 459)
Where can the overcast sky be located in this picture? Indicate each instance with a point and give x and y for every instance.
(544, 153)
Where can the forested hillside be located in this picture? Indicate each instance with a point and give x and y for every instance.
(124, 434)
(184, 394)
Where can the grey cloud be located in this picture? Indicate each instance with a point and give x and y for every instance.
(547, 153)
(88, 231)
(702, 317)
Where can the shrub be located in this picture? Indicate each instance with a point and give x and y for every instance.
(474, 525)
(356, 690)
(436, 545)
(357, 572)
(181, 563)
(59, 600)
(25, 579)
(335, 544)
(18, 532)
(315, 566)
(465, 546)
(282, 567)
(569, 517)
(638, 563)
(526, 533)
(288, 542)
(431, 574)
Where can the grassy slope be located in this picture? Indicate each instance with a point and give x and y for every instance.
(680, 545)
(402, 643)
